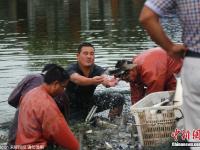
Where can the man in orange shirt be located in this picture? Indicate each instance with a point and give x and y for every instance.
(153, 71)
(40, 121)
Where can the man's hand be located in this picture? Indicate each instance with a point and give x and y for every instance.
(112, 82)
(97, 80)
(109, 81)
(177, 50)
(151, 22)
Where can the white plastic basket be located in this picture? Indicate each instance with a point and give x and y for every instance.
(156, 123)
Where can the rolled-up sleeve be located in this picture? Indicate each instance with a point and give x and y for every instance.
(161, 7)
(71, 69)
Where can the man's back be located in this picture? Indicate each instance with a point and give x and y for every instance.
(26, 84)
(155, 71)
(155, 63)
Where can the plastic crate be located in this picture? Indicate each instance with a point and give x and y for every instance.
(156, 123)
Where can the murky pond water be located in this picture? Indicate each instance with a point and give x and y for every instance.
(36, 32)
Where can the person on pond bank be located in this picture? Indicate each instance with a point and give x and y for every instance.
(85, 75)
(152, 71)
(40, 121)
(25, 85)
(188, 13)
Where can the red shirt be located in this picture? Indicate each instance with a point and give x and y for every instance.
(155, 72)
(40, 122)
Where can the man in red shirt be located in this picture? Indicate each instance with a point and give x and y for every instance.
(40, 121)
(24, 86)
(153, 71)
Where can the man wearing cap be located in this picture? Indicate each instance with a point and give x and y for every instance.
(152, 71)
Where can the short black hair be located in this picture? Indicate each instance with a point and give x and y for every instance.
(48, 67)
(85, 44)
(55, 73)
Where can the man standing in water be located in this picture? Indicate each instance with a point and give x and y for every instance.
(28, 83)
(84, 78)
(40, 121)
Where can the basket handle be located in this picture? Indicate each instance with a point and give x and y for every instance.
(182, 116)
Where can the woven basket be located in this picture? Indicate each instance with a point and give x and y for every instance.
(156, 123)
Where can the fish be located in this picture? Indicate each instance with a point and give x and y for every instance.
(108, 145)
(176, 98)
(100, 122)
(164, 102)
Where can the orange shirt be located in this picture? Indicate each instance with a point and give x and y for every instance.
(155, 72)
(40, 122)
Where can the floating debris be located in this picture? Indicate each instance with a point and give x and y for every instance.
(88, 132)
(108, 146)
(104, 124)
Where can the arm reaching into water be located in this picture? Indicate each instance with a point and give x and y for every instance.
(82, 80)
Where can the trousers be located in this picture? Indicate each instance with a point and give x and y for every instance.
(190, 75)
